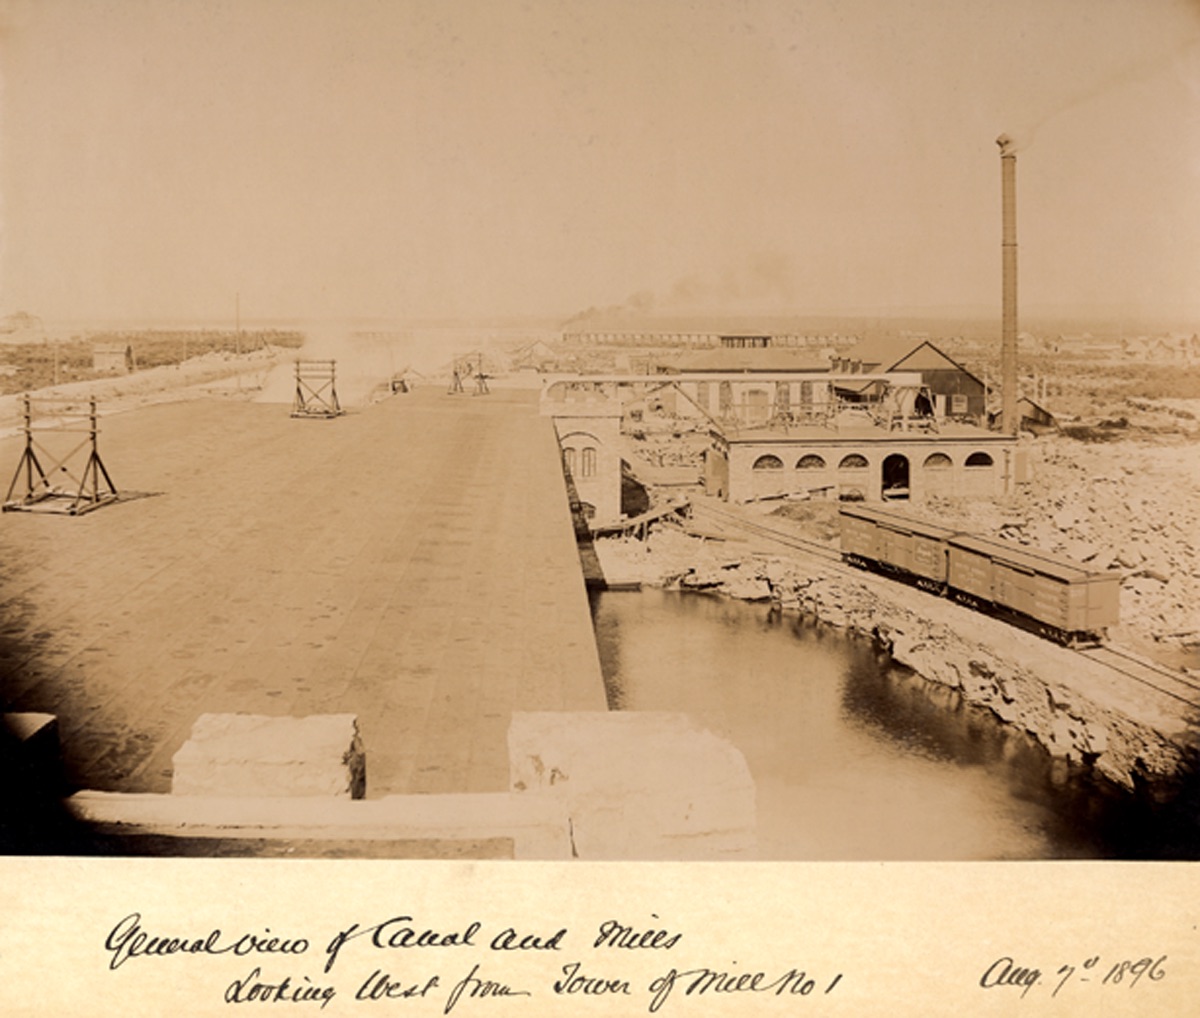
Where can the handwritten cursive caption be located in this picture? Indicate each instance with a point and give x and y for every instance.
(1007, 973)
(456, 968)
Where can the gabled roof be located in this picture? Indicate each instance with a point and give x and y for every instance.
(892, 352)
(883, 350)
(538, 348)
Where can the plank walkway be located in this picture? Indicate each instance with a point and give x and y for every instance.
(412, 563)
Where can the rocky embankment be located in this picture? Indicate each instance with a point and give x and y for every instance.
(1022, 680)
(1132, 506)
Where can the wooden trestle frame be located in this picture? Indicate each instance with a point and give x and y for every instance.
(469, 366)
(316, 389)
(40, 492)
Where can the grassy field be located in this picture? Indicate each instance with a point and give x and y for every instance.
(38, 365)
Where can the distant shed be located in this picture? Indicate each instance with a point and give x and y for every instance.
(112, 358)
(1034, 417)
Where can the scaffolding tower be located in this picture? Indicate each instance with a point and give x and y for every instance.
(58, 486)
(316, 389)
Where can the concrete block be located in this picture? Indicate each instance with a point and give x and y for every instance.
(257, 755)
(637, 785)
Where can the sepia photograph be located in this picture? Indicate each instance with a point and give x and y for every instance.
(449, 435)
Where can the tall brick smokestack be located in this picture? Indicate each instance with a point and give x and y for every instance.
(1009, 420)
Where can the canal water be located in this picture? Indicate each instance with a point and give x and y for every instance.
(855, 757)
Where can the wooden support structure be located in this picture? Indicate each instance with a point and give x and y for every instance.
(57, 487)
(639, 526)
(316, 389)
(469, 366)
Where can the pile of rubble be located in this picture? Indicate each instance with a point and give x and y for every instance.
(666, 558)
(1128, 506)
(667, 452)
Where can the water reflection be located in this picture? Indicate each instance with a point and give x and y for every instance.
(855, 757)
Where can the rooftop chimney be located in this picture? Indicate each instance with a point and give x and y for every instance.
(1009, 420)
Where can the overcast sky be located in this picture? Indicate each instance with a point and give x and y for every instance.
(406, 158)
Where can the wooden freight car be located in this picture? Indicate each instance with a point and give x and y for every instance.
(1058, 597)
(1065, 600)
(896, 543)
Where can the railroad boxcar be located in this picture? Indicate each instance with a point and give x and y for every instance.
(1061, 598)
(1066, 600)
(896, 542)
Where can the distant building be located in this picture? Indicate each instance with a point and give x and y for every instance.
(1027, 342)
(538, 356)
(112, 358)
(1032, 415)
(695, 332)
(862, 462)
(1175, 348)
(745, 342)
(744, 360)
(1084, 344)
(589, 436)
(753, 385)
(956, 392)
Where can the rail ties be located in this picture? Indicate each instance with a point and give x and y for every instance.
(762, 530)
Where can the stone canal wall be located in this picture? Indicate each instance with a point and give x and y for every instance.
(1074, 707)
(1017, 689)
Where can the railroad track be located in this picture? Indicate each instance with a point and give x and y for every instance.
(1175, 685)
(726, 518)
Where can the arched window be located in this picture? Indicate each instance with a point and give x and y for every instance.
(979, 459)
(569, 460)
(588, 462)
(810, 463)
(938, 461)
(853, 462)
(768, 463)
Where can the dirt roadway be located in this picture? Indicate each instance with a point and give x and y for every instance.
(412, 562)
(234, 376)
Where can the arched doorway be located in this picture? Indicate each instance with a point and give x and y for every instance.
(895, 477)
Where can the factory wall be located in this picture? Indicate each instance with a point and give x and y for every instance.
(591, 452)
(866, 469)
(755, 401)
